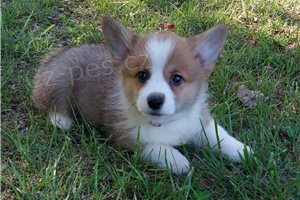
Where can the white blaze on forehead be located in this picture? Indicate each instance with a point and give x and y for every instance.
(159, 51)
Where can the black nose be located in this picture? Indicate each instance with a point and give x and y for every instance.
(156, 100)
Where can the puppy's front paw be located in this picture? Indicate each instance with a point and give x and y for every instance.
(219, 139)
(178, 164)
(166, 157)
(237, 150)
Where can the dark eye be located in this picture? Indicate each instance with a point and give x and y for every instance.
(176, 79)
(143, 76)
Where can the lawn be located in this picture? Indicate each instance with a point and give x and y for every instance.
(262, 52)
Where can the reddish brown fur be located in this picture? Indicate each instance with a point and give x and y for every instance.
(183, 63)
(136, 62)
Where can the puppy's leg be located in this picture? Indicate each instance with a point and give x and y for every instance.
(218, 138)
(52, 92)
(166, 157)
(62, 121)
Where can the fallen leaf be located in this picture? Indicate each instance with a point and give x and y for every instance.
(279, 31)
(22, 63)
(167, 27)
(248, 97)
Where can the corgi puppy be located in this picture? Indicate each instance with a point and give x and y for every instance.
(150, 90)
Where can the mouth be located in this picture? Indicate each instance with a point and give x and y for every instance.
(155, 114)
(155, 124)
(155, 118)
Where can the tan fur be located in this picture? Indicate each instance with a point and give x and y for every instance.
(138, 61)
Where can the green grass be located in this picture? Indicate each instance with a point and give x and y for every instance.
(262, 52)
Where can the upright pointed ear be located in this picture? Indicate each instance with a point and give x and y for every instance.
(119, 39)
(208, 46)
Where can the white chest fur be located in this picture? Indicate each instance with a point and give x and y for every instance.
(174, 133)
(175, 130)
(179, 129)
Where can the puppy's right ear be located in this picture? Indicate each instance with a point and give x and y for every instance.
(120, 40)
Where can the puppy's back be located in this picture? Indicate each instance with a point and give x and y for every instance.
(64, 71)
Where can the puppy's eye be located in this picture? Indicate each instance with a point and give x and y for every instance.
(143, 76)
(176, 80)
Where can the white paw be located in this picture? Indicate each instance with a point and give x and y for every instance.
(166, 157)
(230, 146)
(60, 120)
(237, 150)
(179, 164)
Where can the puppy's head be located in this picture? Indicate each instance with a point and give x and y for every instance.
(162, 72)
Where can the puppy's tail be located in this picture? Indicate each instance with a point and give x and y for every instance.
(52, 85)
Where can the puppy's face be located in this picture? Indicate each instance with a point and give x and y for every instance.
(162, 72)
(161, 76)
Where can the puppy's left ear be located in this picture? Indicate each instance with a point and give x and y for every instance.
(207, 46)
